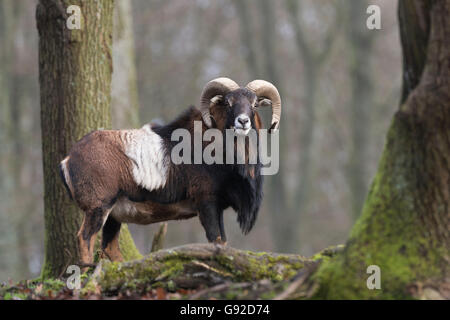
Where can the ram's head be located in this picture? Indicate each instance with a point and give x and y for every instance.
(225, 105)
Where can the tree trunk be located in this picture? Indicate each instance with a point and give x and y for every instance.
(125, 104)
(313, 61)
(284, 230)
(404, 228)
(247, 38)
(75, 69)
(6, 36)
(360, 48)
(13, 92)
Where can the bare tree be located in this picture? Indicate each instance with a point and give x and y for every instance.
(313, 61)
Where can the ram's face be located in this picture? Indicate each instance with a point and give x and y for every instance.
(240, 106)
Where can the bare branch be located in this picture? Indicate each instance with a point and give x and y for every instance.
(158, 239)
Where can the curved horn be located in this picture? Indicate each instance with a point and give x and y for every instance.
(218, 86)
(266, 90)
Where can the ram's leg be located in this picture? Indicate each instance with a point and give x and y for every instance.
(92, 223)
(209, 218)
(222, 229)
(110, 239)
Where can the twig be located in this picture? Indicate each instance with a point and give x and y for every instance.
(218, 288)
(97, 271)
(207, 267)
(296, 284)
(158, 239)
(87, 265)
(95, 275)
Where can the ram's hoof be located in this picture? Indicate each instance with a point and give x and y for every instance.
(219, 241)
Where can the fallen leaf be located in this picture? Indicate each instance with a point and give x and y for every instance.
(160, 294)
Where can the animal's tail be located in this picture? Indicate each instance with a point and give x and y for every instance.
(65, 176)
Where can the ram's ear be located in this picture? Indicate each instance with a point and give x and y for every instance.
(216, 100)
(263, 102)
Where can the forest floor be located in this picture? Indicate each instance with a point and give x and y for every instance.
(194, 271)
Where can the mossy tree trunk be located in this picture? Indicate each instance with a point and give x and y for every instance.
(75, 69)
(404, 228)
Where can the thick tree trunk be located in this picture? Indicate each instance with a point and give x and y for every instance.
(404, 228)
(75, 69)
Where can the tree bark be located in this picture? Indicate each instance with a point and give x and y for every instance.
(404, 228)
(75, 69)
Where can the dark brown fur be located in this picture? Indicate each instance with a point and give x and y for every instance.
(101, 175)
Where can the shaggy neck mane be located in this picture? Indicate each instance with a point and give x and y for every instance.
(243, 189)
(184, 120)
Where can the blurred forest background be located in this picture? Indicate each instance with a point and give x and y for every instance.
(339, 83)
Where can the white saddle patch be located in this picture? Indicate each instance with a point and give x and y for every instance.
(145, 148)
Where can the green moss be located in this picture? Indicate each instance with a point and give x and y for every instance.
(273, 267)
(390, 233)
(127, 246)
(166, 269)
(54, 284)
(15, 296)
(328, 253)
(25, 289)
(171, 286)
(143, 274)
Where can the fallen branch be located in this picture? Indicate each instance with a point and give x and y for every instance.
(196, 266)
(302, 276)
